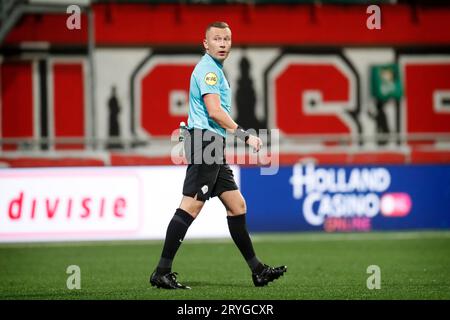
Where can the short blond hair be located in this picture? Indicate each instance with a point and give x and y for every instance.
(217, 24)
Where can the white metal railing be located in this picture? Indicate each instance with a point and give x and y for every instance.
(13, 10)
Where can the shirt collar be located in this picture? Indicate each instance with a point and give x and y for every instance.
(207, 56)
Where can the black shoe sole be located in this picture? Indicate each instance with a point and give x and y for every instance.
(266, 283)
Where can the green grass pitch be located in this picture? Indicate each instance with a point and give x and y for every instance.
(414, 265)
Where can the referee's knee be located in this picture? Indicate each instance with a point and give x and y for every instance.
(191, 206)
(237, 209)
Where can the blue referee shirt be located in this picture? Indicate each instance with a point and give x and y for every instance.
(207, 77)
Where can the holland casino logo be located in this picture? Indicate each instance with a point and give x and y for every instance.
(345, 201)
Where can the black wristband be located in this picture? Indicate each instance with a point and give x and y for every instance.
(242, 134)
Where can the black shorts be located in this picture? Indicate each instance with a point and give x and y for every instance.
(208, 175)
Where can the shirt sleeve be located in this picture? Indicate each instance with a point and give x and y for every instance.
(208, 80)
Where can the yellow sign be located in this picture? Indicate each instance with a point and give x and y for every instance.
(211, 78)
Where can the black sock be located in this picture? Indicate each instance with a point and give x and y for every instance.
(176, 231)
(239, 233)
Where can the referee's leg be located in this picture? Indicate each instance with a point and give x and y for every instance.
(236, 208)
(191, 205)
(176, 230)
(236, 215)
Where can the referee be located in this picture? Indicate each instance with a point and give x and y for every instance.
(208, 175)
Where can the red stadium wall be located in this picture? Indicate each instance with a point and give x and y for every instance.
(309, 70)
(181, 25)
(17, 109)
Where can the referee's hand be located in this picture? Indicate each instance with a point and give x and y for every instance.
(255, 143)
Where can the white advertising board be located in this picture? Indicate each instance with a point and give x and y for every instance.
(61, 204)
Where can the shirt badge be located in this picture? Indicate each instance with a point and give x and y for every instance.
(211, 78)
